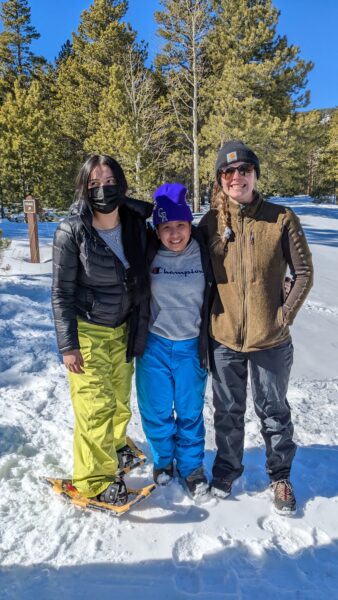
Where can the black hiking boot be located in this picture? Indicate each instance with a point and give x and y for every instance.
(284, 498)
(220, 487)
(116, 493)
(164, 475)
(197, 485)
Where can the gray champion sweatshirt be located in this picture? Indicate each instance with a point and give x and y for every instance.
(177, 288)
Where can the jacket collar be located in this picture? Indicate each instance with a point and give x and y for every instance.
(140, 207)
(248, 210)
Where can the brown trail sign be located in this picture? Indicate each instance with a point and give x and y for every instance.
(30, 209)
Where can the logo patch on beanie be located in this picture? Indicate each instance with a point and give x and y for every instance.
(162, 215)
(231, 156)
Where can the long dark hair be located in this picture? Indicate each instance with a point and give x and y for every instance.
(95, 160)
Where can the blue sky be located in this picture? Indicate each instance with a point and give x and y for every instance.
(309, 24)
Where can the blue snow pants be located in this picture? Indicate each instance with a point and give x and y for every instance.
(170, 391)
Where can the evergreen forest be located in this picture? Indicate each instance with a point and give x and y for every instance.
(222, 72)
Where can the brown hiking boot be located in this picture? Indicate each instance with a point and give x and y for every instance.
(284, 497)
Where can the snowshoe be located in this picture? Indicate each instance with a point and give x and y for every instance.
(129, 457)
(116, 493)
(65, 488)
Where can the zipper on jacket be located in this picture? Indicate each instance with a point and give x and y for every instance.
(252, 255)
(232, 260)
(241, 243)
(125, 282)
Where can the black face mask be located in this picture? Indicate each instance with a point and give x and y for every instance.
(105, 199)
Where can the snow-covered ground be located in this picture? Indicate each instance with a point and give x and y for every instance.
(167, 548)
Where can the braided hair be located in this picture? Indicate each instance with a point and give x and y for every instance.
(220, 201)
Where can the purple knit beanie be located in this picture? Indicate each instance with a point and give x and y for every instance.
(171, 204)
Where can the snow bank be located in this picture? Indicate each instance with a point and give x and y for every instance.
(166, 547)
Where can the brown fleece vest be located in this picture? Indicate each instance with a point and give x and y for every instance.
(249, 312)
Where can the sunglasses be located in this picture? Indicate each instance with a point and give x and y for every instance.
(243, 170)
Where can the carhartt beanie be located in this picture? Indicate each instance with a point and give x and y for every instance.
(234, 151)
(171, 204)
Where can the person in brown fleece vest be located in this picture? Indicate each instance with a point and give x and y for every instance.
(252, 243)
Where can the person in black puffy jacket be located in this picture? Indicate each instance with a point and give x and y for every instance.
(99, 297)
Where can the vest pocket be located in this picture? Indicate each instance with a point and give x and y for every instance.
(280, 317)
(232, 261)
(252, 256)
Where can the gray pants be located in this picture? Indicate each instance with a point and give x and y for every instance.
(269, 372)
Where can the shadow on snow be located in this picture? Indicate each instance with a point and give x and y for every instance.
(232, 573)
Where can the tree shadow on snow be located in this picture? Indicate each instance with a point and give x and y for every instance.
(313, 210)
(234, 572)
(324, 237)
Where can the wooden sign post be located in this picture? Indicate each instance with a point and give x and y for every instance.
(30, 209)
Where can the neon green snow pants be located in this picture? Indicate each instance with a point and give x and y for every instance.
(101, 403)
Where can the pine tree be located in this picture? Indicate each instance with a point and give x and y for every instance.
(16, 58)
(65, 52)
(256, 84)
(32, 154)
(309, 147)
(184, 24)
(31, 158)
(82, 78)
(330, 168)
(132, 121)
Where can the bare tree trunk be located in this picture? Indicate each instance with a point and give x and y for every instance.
(18, 47)
(310, 177)
(138, 171)
(22, 177)
(2, 208)
(196, 200)
(185, 24)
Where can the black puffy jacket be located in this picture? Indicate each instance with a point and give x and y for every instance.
(90, 282)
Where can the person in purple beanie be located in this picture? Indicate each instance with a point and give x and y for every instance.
(171, 375)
